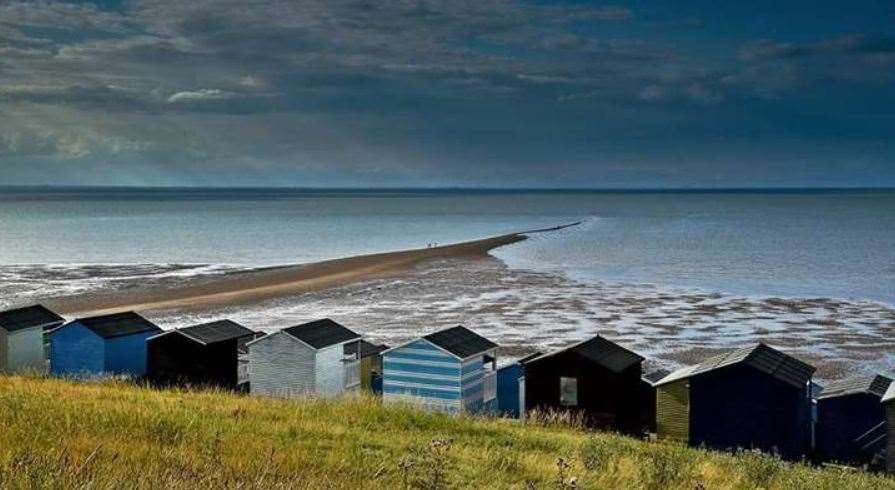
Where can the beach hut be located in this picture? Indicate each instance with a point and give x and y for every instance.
(304, 360)
(851, 420)
(200, 355)
(99, 345)
(22, 338)
(370, 357)
(754, 398)
(451, 370)
(888, 401)
(596, 379)
(508, 389)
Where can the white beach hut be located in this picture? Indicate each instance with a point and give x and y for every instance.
(22, 337)
(308, 359)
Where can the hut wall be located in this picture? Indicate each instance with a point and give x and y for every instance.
(75, 350)
(174, 359)
(25, 350)
(890, 436)
(421, 373)
(332, 373)
(647, 406)
(471, 384)
(280, 365)
(605, 399)
(741, 407)
(127, 354)
(673, 411)
(3, 365)
(508, 390)
(843, 419)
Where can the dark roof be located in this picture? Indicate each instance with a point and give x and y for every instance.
(28, 317)
(460, 341)
(599, 351)
(118, 324)
(871, 385)
(219, 331)
(657, 375)
(321, 333)
(366, 348)
(760, 356)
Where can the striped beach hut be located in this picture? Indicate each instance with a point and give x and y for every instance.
(22, 338)
(307, 359)
(453, 370)
(888, 401)
(200, 355)
(100, 345)
(754, 398)
(851, 420)
(596, 379)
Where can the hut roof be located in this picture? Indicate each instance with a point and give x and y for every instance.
(28, 317)
(599, 351)
(366, 349)
(890, 394)
(461, 341)
(654, 377)
(760, 356)
(322, 333)
(118, 324)
(213, 332)
(871, 385)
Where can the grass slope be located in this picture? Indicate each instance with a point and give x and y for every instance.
(59, 434)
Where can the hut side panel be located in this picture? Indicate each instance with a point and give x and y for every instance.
(741, 407)
(471, 385)
(175, 359)
(422, 374)
(673, 411)
(280, 365)
(332, 374)
(890, 437)
(75, 350)
(127, 354)
(842, 420)
(25, 350)
(508, 389)
(3, 364)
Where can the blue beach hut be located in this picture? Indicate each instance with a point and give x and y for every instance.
(508, 379)
(452, 370)
(99, 345)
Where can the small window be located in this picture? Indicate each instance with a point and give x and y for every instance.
(568, 392)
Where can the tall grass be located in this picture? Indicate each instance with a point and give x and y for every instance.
(61, 434)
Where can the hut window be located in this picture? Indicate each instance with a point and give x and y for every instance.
(568, 392)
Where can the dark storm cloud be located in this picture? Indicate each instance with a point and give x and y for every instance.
(393, 92)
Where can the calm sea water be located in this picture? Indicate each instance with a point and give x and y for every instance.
(835, 244)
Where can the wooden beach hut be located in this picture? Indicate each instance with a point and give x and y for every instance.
(754, 398)
(100, 345)
(888, 401)
(509, 378)
(370, 357)
(453, 370)
(199, 355)
(307, 359)
(851, 420)
(22, 338)
(596, 379)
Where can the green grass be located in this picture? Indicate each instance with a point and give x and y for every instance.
(60, 434)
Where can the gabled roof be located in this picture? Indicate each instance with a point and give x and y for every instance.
(28, 317)
(366, 349)
(654, 377)
(213, 332)
(322, 333)
(460, 341)
(599, 351)
(760, 356)
(118, 324)
(871, 385)
(890, 394)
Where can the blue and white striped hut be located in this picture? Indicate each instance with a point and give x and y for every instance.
(452, 370)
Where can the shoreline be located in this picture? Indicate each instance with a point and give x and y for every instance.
(278, 281)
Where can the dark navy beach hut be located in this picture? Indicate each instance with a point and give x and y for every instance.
(597, 379)
(851, 420)
(206, 354)
(754, 398)
(452, 370)
(108, 344)
(22, 337)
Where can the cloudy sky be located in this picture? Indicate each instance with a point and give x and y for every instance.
(494, 93)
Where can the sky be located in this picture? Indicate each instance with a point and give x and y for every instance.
(459, 93)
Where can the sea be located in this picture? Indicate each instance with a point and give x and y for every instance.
(675, 274)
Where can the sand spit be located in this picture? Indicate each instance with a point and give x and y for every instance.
(269, 283)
